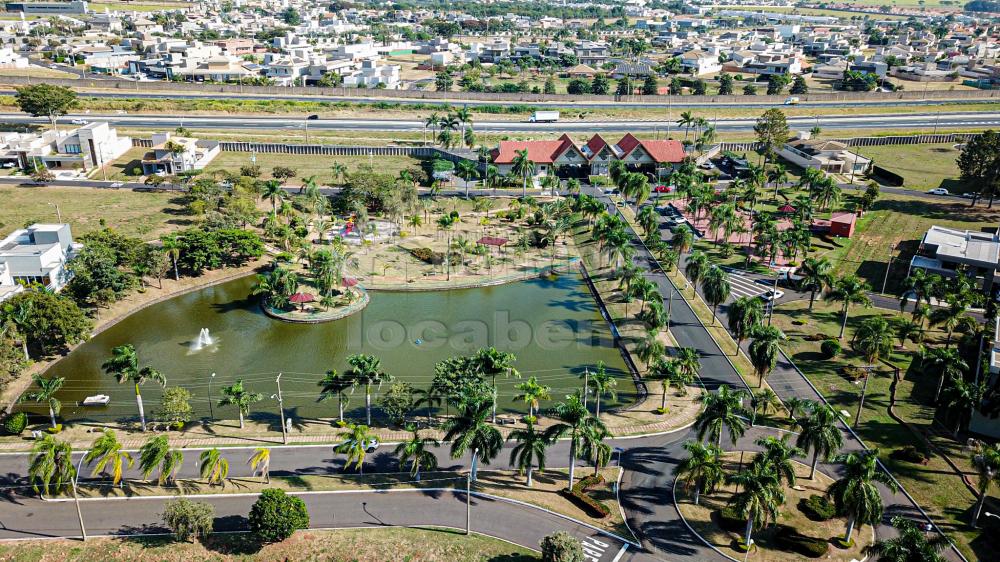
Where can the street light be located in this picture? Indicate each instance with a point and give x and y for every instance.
(749, 544)
(281, 411)
(211, 410)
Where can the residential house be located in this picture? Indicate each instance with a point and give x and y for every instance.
(174, 155)
(593, 157)
(945, 251)
(92, 145)
(36, 255)
(827, 155)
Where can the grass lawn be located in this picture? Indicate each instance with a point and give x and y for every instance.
(343, 545)
(935, 487)
(146, 215)
(307, 165)
(922, 166)
(37, 72)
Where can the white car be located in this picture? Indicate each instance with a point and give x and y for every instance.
(371, 445)
(79, 121)
(117, 184)
(772, 295)
(968, 195)
(939, 191)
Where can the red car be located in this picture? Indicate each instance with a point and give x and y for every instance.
(663, 189)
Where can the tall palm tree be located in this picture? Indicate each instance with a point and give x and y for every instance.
(531, 393)
(962, 398)
(529, 451)
(650, 348)
(949, 317)
(682, 241)
(467, 170)
(367, 371)
(110, 457)
(855, 494)
(776, 455)
(688, 361)
(722, 409)
(601, 382)
(573, 417)
(760, 497)
(492, 362)
(355, 446)
(921, 284)
(156, 454)
(817, 275)
(849, 289)
(214, 466)
(238, 395)
(946, 362)
(431, 397)
(819, 432)
(912, 544)
(686, 120)
(745, 314)
(336, 385)
(593, 447)
(702, 468)
(669, 373)
(339, 171)
(471, 430)
(763, 350)
(124, 365)
(51, 465)
(261, 461)
(523, 166)
(46, 394)
(987, 464)
(273, 191)
(696, 268)
(873, 339)
(415, 450)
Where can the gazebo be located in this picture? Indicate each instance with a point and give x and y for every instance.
(494, 241)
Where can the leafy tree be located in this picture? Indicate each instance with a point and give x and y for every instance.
(722, 409)
(51, 465)
(750, 90)
(45, 100)
(416, 451)
(578, 86)
(855, 494)
(124, 365)
(725, 84)
(46, 394)
(175, 406)
(397, 402)
(156, 454)
(110, 457)
(799, 85)
(777, 83)
(702, 469)
(979, 164)
(276, 515)
(238, 395)
(820, 433)
(561, 547)
(600, 85)
(650, 85)
(772, 131)
(50, 321)
(187, 519)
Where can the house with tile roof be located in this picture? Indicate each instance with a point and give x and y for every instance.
(593, 157)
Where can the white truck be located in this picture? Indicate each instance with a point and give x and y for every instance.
(544, 117)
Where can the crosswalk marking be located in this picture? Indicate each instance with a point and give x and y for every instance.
(744, 287)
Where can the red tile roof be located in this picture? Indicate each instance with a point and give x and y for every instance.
(546, 152)
(664, 150)
(596, 143)
(628, 144)
(844, 218)
(539, 152)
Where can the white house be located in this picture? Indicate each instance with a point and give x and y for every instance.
(36, 255)
(174, 155)
(92, 145)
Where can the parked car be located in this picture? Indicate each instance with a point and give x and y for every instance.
(79, 121)
(939, 191)
(371, 445)
(969, 195)
(663, 189)
(772, 295)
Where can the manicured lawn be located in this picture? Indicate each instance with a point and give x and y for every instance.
(922, 166)
(344, 545)
(146, 215)
(308, 165)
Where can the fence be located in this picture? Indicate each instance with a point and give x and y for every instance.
(862, 141)
(454, 155)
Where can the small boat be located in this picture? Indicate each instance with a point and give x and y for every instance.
(96, 400)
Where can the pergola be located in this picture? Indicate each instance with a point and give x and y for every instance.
(495, 241)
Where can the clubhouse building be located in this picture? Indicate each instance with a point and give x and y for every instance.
(592, 158)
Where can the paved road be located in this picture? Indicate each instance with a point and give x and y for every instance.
(876, 121)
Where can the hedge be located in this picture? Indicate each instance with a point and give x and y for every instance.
(579, 497)
(790, 540)
(731, 520)
(15, 423)
(911, 454)
(817, 508)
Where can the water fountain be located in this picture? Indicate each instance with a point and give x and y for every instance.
(204, 339)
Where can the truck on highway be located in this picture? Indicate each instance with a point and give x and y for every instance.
(544, 117)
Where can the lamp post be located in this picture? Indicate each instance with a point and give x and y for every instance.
(749, 544)
(281, 411)
(888, 266)
(864, 389)
(76, 500)
(211, 409)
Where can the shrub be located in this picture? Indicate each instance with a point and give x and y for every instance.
(912, 454)
(830, 348)
(662, 411)
(816, 337)
(561, 547)
(853, 372)
(427, 255)
(731, 520)
(817, 508)
(798, 322)
(276, 515)
(15, 423)
(790, 540)
(187, 519)
(579, 497)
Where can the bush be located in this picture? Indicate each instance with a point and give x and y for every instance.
(427, 255)
(830, 348)
(798, 322)
(731, 520)
(579, 497)
(853, 373)
(276, 515)
(54, 430)
(910, 453)
(15, 423)
(790, 540)
(816, 337)
(187, 519)
(561, 547)
(817, 508)
(662, 411)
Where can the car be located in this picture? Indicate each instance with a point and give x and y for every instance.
(939, 191)
(7, 165)
(611, 191)
(620, 204)
(969, 195)
(663, 189)
(772, 295)
(79, 121)
(117, 184)
(371, 445)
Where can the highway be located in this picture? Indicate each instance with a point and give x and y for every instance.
(943, 121)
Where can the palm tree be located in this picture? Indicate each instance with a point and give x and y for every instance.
(339, 171)
(912, 544)
(261, 461)
(156, 454)
(214, 466)
(467, 170)
(776, 455)
(524, 167)
(696, 268)
(987, 464)
(650, 348)
(51, 465)
(492, 362)
(873, 339)
(745, 315)
(355, 446)
(946, 362)
(602, 382)
(529, 451)
(963, 398)
(430, 397)
(367, 370)
(682, 241)
(816, 276)
(921, 284)
(237, 395)
(593, 447)
(46, 393)
(760, 497)
(573, 417)
(855, 494)
(531, 393)
(849, 289)
(432, 121)
(687, 120)
(124, 365)
(765, 402)
(796, 405)
(722, 409)
(110, 456)
(763, 350)
(688, 361)
(471, 430)
(273, 191)
(702, 469)
(949, 318)
(819, 432)
(415, 451)
(336, 385)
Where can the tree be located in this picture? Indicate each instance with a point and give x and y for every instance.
(979, 164)
(949, 317)
(600, 85)
(650, 85)
(873, 339)
(819, 432)
(110, 457)
(561, 547)
(397, 402)
(776, 456)
(750, 90)
(46, 394)
(776, 84)
(336, 385)
(725, 84)
(156, 454)
(702, 468)
(531, 393)
(722, 409)
(855, 494)
(260, 461)
(799, 85)
(963, 398)
(696, 268)
(124, 365)
(849, 289)
(238, 395)
(415, 451)
(355, 446)
(945, 362)
(529, 450)
(745, 314)
(763, 350)
(522, 166)
(573, 418)
(367, 371)
(47, 320)
(650, 348)
(760, 497)
(470, 430)
(601, 382)
(912, 544)
(214, 466)
(175, 406)
(187, 519)
(817, 275)
(276, 515)
(492, 362)
(45, 100)
(51, 465)
(772, 132)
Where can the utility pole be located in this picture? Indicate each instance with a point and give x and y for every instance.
(586, 382)
(468, 503)
(211, 409)
(76, 500)
(281, 411)
(864, 390)
(888, 266)
(774, 295)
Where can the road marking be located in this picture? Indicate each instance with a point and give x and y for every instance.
(620, 553)
(594, 549)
